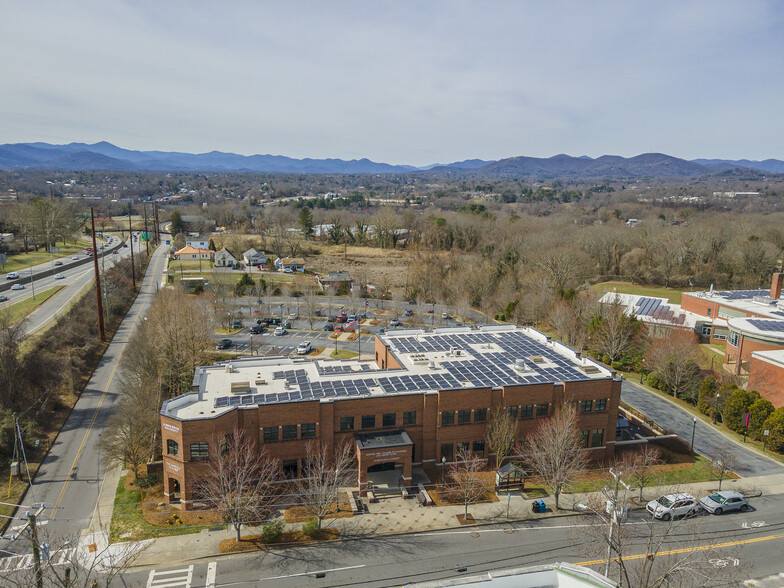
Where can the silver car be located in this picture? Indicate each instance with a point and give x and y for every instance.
(724, 501)
(673, 506)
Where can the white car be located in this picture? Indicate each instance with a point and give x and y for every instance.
(12, 276)
(17, 287)
(59, 277)
(293, 316)
(444, 315)
(74, 257)
(673, 505)
(280, 331)
(304, 348)
(724, 501)
(288, 270)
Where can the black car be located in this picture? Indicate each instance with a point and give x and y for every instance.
(273, 321)
(3, 298)
(58, 263)
(327, 327)
(257, 329)
(224, 344)
(236, 325)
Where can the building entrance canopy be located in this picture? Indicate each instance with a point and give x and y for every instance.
(386, 447)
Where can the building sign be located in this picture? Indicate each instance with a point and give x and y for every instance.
(173, 466)
(171, 428)
(389, 454)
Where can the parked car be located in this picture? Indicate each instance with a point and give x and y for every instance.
(293, 316)
(288, 270)
(409, 312)
(342, 318)
(395, 323)
(362, 315)
(257, 329)
(338, 328)
(114, 252)
(352, 318)
(273, 321)
(429, 311)
(304, 348)
(59, 277)
(17, 287)
(672, 506)
(412, 301)
(724, 501)
(280, 331)
(58, 262)
(224, 344)
(327, 327)
(3, 297)
(12, 276)
(332, 319)
(236, 325)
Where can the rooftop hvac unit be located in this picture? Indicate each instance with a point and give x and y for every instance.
(432, 364)
(240, 387)
(519, 365)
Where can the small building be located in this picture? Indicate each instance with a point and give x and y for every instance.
(254, 258)
(6, 237)
(335, 280)
(188, 253)
(224, 258)
(509, 476)
(198, 243)
(295, 264)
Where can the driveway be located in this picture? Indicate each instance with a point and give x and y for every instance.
(707, 439)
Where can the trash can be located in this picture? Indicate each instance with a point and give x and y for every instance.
(538, 506)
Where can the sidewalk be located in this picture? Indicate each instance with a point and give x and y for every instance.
(398, 516)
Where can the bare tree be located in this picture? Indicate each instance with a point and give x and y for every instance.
(639, 464)
(673, 357)
(325, 472)
(501, 433)
(311, 301)
(555, 450)
(614, 331)
(240, 480)
(468, 482)
(724, 462)
(127, 438)
(463, 307)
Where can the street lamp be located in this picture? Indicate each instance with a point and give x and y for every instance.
(443, 468)
(251, 344)
(693, 428)
(716, 409)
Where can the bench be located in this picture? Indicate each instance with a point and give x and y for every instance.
(426, 499)
(353, 503)
(371, 497)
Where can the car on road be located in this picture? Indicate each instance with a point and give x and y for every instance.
(444, 315)
(304, 348)
(17, 287)
(724, 501)
(12, 276)
(224, 344)
(59, 277)
(236, 325)
(256, 330)
(412, 301)
(280, 331)
(3, 298)
(293, 316)
(114, 252)
(409, 312)
(74, 257)
(58, 262)
(395, 323)
(327, 327)
(672, 506)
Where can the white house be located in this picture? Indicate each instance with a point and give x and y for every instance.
(224, 258)
(198, 243)
(193, 254)
(295, 264)
(253, 257)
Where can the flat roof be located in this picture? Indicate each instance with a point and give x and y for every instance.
(654, 310)
(763, 328)
(445, 359)
(751, 301)
(775, 357)
(383, 439)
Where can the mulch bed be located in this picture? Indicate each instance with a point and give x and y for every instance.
(466, 520)
(157, 511)
(254, 542)
(300, 514)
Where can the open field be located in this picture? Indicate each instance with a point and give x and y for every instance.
(673, 295)
(21, 309)
(18, 262)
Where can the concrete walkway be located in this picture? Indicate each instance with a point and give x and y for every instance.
(399, 516)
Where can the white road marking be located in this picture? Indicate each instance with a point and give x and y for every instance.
(211, 570)
(312, 573)
(21, 562)
(183, 580)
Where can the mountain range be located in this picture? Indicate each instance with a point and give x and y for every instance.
(104, 156)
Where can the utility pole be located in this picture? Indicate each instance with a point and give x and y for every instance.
(146, 234)
(157, 224)
(32, 279)
(101, 332)
(130, 240)
(612, 510)
(39, 577)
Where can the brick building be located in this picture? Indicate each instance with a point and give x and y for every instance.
(424, 397)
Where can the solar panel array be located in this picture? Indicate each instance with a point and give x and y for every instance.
(654, 308)
(742, 294)
(488, 368)
(770, 326)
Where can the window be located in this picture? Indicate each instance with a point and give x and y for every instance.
(480, 415)
(585, 405)
(463, 417)
(526, 411)
(512, 412)
(706, 330)
(368, 421)
(734, 338)
(479, 448)
(446, 451)
(709, 312)
(389, 419)
(586, 438)
(409, 417)
(289, 467)
(600, 404)
(597, 438)
(199, 451)
(720, 334)
(542, 410)
(447, 418)
(463, 446)
(289, 432)
(270, 434)
(172, 448)
(307, 430)
(346, 423)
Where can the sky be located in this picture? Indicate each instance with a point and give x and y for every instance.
(402, 82)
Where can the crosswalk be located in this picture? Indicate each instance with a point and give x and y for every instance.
(177, 578)
(25, 561)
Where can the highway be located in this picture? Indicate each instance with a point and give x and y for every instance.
(69, 479)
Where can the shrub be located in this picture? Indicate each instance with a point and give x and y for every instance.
(707, 395)
(760, 411)
(775, 423)
(310, 528)
(271, 532)
(737, 405)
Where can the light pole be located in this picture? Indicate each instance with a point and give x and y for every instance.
(251, 344)
(693, 429)
(716, 409)
(612, 508)
(443, 468)
(712, 360)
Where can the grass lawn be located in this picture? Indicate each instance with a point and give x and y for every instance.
(343, 354)
(190, 265)
(227, 331)
(21, 309)
(17, 262)
(673, 295)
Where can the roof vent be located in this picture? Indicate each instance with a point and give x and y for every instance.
(590, 369)
(455, 351)
(240, 387)
(536, 359)
(229, 368)
(432, 364)
(519, 365)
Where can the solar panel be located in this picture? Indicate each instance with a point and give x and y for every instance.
(771, 325)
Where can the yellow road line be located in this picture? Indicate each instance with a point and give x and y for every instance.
(95, 415)
(689, 549)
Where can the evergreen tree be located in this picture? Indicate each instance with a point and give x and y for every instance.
(306, 222)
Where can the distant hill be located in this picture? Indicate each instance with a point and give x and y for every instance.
(105, 156)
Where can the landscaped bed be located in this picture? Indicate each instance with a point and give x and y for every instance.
(300, 514)
(253, 542)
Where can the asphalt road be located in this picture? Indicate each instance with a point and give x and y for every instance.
(707, 439)
(69, 480)
(399, 560)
